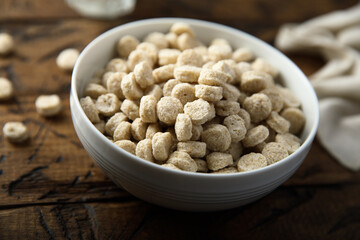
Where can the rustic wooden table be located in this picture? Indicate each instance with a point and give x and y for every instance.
(50, 188)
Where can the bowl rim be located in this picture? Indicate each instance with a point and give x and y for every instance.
(202, 23)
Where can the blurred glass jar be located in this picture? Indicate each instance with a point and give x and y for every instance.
(102, 9)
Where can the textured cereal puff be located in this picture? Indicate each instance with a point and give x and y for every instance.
(187, 74)
(226, 170)
(130, 108)
(48, 105)
(258, 106)
(90, 109)
(113, 122)
(138, 129)
(217, 138)
(226, 68)
(200, 111)
(67, 58)
(117, 65)
(278, 123)
(262, 65)
(219, 52)
(185, 92)
(122, 131)
(255, 81)
(152, 129)
(218, 160)
(212, 77)
(183, 161)
(201, 165)
(236, 150)
(105, 77)
(144, 150)
(107, 104)
(246, 117)
(290, 141)
(113, 84)
(219, 41)
(6, 89)
(226, 108)
(190, 57)
(130, 88)
(196, 132)
(171, 130)
(251, 161)
(161, 144)
(154, 90)
(255, 136)
(15, 132)
(126, 45)
(158, 39)
(296, 118)
(208, 93)
(137, 56)
(147, 109)
(151, 50)
(243, 55)
(164, 73)
(168, 108)
(168, 56)
(231, 92)
(186, 41)
(236, 127)
(277, 101)
(208, 65)
(6, 44)
(274, 152)
(170, 166)
(94, 90)
(290, 100)
(180, 27)
(242, 67)
(127, 145)
(169, 85)
(183, 127)
(194, 148)
(143, 74)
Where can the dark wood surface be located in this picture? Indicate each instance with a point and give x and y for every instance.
(50, 188)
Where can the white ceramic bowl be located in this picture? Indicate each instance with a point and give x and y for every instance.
(178, 189)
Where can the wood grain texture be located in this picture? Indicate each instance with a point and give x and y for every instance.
(51, 189)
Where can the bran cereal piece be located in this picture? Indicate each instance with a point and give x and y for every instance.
(126, 45)
(272, 134)
(113, 84)
(262, 65)
(151, 50)
(236, 127)
(113, 122)
(144, 150)
(236, 150)
(183, 161)
(201, 165)
(174, 139)
(143, 74)
(208, 65)
(278, 123)
(138, 129)
(186, 41)
(169, 85)
(185, 92)
(218, 160)
(224, 67)
(196, 132)
(126, 145)
(226, 170)
(290, 141)
(6, 44)
(90, 109)
(219, 52)
(251, 161)
(152, 129)
(6, 89)
(187, 74)
(200, 111)
(258, 106)
(183, 127)
(190, 57)
(137, 56)
(105, 78)
(219, 41)
(255, 81)
(168, 56)
(241, 68)
(274, 152)
(107, 104)
(245, 116)
(170, 166)
(277, 101)
(194, 148)
(168, 108)
(242, 98)
(217, 138)
(15, 132)
(100, 126)
(130, 108)
(226, 108)
(172, 39)
(158, 39)
(290, 100)
(231, 92)
(155, 90)
(67, 58)
(180, 27)
(255, 136)
(130, 88)
(243, 55)
(122, 131)
(296, 118)
(94, 90)
(212, 77)
(48, 105)
(163, 73)
(208, 93)
(147, 109)
(161, 144)
(117, 65)
(236, 77)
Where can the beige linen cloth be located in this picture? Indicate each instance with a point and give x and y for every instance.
(335, 37)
